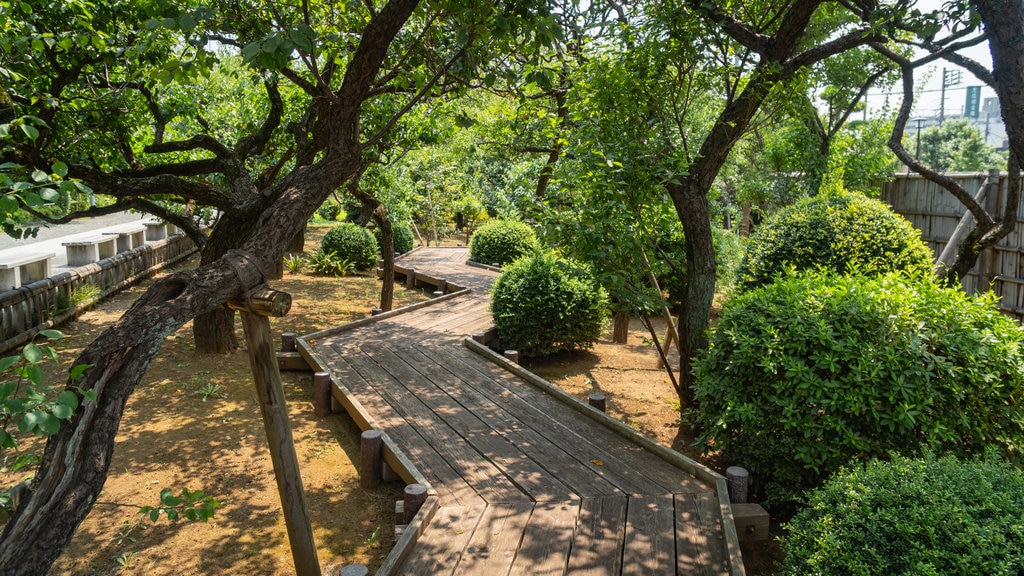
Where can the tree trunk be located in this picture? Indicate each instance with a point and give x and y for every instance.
(620, 327)
(695, 214)
(77, 458)
(214, 331)
(297, 245)
(387, 250)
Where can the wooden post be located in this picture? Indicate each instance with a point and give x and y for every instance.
(376, 311)
(410, 278)
(371, 452)
(267, 379)
(288, 342)
(442, 285)
(738, 480)
(413, 498)
(322, 393)
(598, 401)
(512, 355)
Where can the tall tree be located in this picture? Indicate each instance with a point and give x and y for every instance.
(340, 56)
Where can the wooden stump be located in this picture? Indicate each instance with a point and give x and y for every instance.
(598, 401)
(322, 394)
(413, 498)
(371, 452)
(738, 480)
(288, 342)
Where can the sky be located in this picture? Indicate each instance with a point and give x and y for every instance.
(929, 80)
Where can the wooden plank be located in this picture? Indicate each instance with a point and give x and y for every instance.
(605, 473)
(566, 472)
(446, 398)
(489, 482)
(600, 533)
(451, 487)
(492, 548)
(547, 540)
(649, 547)
(440, 548)
(700, 542)
(620, 456)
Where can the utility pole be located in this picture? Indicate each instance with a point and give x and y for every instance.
(917, 148)
(949, 78)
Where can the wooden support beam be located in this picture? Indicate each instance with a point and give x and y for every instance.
(279, 436)
(264, 303)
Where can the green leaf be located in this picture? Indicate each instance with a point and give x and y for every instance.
(7, 362)
(49, 194)
(35, 374)
(7, 441)
(40, 176)
(32, 353)
(68, 399)
(52, 334)
(78, 370)
(9, 166)
(154, 515)
(30, 131)
(60, 169)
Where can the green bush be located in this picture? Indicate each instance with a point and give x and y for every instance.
(805, 374)
(403, 238)
(351, 243)
(501, 242)
(329, 210)
(912, 516)
(542, 304)
(842, 232)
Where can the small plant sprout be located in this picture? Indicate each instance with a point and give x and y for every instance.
(210, 389)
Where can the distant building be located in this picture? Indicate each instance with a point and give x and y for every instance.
(988, 121)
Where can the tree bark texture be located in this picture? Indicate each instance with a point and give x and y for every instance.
(620, 327)
(689, 192)
(76, 459)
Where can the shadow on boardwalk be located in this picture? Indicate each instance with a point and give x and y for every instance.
(523, 479)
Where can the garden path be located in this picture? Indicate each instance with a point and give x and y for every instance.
(522, 478)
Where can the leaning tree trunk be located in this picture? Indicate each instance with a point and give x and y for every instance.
(77, 458)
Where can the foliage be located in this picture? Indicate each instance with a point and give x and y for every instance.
(543, 303)
(192, 505)
(30, 405)
(329, 264)
(403, 238)
(294, 263)
(912, 516)
(330, 210)
(956, 146)
(670, 264)
(805, 374)
(348, 241)
(501, 242)
(842, 232)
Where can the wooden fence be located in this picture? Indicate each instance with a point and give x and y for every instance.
(936, 213)
(46, 303)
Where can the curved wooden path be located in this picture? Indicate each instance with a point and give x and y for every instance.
(524, 480)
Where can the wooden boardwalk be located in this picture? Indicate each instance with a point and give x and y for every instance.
(524, 479)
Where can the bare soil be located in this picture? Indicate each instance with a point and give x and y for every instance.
(194, 422)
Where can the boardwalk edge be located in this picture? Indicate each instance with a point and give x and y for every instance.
(682, 462)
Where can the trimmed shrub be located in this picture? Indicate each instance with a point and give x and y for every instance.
(329, 210)
(403, 238)
(810, 372)
(543, 304)
(352, 243)
(841, 232)
(912, 516)
(501, 242)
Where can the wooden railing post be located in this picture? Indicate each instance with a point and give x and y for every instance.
(267, 378)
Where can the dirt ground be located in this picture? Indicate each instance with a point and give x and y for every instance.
(194, 422)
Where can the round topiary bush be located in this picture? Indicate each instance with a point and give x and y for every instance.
(542, 304)
(403, 238)
(912, 516)
(805, 374)
(840, 232)
(501, 242)
(352, 243)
